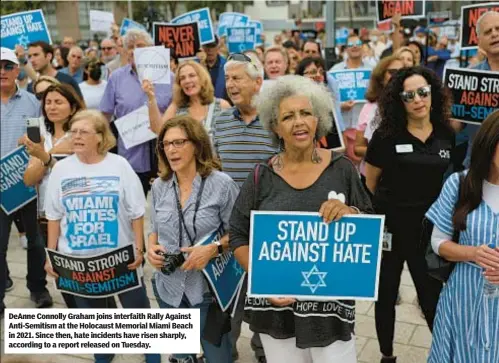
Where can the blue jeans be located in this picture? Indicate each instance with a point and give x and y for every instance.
(212, 353)
(133, 299)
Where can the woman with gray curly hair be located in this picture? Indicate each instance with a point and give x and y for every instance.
(301, 178)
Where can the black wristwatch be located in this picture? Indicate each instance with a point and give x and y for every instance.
(220, 248)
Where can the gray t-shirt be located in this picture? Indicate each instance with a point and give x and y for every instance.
(316, 327)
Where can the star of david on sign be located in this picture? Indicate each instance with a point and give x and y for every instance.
(23, 41)
(237, 267)
(352, 94)
(308, 276)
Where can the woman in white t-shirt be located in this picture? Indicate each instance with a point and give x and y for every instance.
(94, 205)
(93, 87)
(193, 95)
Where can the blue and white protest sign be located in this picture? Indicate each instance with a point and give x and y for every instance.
(130, 24)
(205, 26)
(259, 30)
(231, 20)
(223, 273)
(313, 260)
(352, 83)
(24, 28)
(341, 36)
(241, 39)
(14, 194)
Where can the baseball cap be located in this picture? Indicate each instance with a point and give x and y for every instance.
(8, 55)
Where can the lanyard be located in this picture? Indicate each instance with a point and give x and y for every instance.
(181, 214)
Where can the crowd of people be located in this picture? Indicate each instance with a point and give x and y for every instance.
(256, 131)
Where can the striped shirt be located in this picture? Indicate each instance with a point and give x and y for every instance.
(466, 328)
(22, 105)
(218, 197)
(240, 145)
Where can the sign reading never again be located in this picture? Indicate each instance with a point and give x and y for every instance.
(475, 93)
(97, 276)
(182, 39)
(408, 9)
(312, 259)
(469, 17)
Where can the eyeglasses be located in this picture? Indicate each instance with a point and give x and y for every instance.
(8, 67)
(410, 96)
(83, 133)
(240, 57)
(106, 48)
(358, 43)
(177, 144)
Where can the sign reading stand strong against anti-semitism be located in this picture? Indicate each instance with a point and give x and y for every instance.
(97, 276)
(181, 39)
(203, 19)
(313, 260)
(231, 20)
(352, 83)
(241, 39)
(223, 273)
(409, 9)
(24, 28)
(14, 194)
(130, 24)
(475, 93)
(469, 16)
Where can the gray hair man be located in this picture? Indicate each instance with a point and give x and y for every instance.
(241, 142)
(74, 68)
(276, 62)
(108, 50)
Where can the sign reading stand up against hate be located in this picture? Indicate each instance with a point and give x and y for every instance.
(24, 28)
(182, 39)
(130, 24)
(97, 276)
(223, 273)
(14, 194)
(231, 20)
(241, 39)
(203, 19)
(352, 83)
(475, 93)
(409, 9)
(312, 259)
(469, 17)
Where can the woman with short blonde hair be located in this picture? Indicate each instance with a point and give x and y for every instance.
(406, 55)
(101, 127)
(193, 95)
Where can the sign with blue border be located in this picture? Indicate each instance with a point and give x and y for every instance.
(223, 273)
(314, 260)
(259, 30)
(130, 24)
(231, 20)
(352, 83)
(241, 39)
(205, 25)
(341, 36)
(24, 28)
(14, 194)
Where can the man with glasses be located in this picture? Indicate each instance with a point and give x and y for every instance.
(123, 95)
(311, 48)
(18, 105)
(241, 142)
(108, 50)
(74, 69)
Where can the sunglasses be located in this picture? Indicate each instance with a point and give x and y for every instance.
(8, 67)
(410, 96)
(240, 57)
(358, 43)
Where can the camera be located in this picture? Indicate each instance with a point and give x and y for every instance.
(171, 262)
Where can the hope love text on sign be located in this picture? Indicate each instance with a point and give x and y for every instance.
(475, 93)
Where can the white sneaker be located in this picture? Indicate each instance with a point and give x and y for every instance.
(24, 241)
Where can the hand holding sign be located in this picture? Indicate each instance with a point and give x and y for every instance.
(148, 89)
(48, 268)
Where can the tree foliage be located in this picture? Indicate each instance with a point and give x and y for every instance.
(11, 7)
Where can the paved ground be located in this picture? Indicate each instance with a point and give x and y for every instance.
(412, 337)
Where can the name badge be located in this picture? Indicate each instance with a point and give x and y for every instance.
(402, 149)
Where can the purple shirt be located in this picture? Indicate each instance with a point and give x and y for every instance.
(123, 95)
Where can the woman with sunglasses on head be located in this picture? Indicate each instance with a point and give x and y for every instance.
(369, 115)
(42, 83)
(59, 104)
(406, 161)
(190, 200)
(193, 95)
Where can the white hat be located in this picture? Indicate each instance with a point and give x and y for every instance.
(8, 55)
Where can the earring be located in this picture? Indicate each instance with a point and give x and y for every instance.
(281, 144)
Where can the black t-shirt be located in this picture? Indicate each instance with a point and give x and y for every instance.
(63, 78)
(412, 172)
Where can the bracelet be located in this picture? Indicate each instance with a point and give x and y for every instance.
(356, 209)
(141, 251)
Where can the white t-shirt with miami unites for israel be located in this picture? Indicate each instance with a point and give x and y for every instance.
(95, 204)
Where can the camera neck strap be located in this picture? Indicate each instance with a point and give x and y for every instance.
(181, 224)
